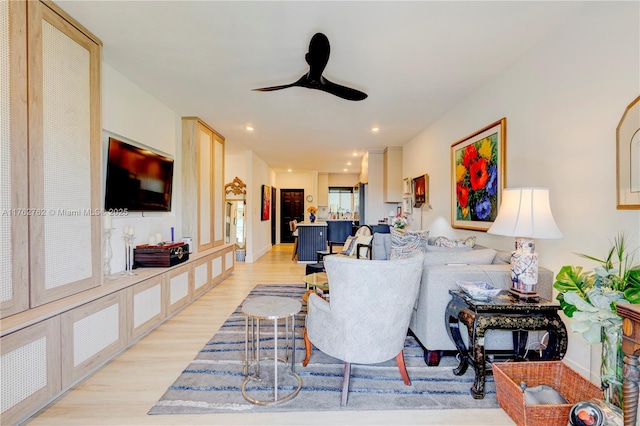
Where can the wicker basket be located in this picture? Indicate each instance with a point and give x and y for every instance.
(508, 376)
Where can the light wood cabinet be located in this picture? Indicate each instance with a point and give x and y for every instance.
(92, 334)
(202, 185)
(44, 353)
(392, 174)
(53, 198)
(145, 305)
(179, 287)
(14, 232)
(29, 369)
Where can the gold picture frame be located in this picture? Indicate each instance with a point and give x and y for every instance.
(478, 175)
(628, 158)
(420, 190)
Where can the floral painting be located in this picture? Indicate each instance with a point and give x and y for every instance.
(478, 177)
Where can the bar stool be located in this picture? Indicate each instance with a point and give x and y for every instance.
(293, 227)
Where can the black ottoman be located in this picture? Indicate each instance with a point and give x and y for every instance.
(315, 267)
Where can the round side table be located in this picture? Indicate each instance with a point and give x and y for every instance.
(269, 308)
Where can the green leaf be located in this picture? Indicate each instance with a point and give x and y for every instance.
(571, 278)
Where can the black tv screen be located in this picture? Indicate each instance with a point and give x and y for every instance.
(137, 179)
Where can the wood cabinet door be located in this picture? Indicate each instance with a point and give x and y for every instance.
(14, 255)
(205, 151)
(64, 156)
(218, 190)
(202, 184)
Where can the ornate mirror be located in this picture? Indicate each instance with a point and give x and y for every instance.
(235, 229)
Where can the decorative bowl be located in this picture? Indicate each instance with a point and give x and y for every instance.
(586, 413)
(478, 290)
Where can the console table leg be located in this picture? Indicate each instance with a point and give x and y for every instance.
(631, 375)
(479, 363)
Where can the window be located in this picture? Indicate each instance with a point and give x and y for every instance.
(340, 199)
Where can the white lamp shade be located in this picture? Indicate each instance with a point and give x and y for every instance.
(526, 213)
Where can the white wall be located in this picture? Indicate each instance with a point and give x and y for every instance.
(563, 101)
(258, 231)
(136, 116)
(308, 181)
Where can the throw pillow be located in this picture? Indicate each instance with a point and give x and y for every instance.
(364, 251)
(349, 245)
(470, 257)
(446, 242)
(404, 242)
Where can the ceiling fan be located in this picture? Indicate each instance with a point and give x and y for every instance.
(317, 58)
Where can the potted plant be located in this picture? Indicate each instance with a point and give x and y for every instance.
(400, 221)
(590, 298)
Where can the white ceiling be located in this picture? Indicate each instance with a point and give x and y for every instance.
(415, 60)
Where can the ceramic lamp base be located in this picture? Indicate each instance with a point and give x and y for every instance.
(524, 267)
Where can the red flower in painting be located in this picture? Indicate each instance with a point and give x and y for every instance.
(470, 154)
(478, 174)
(462, 193)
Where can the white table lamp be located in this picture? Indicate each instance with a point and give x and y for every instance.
(525, 214)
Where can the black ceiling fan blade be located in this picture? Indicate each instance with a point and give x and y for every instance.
(272, 88)
(342, 91)
(301, 82)
(317, 58)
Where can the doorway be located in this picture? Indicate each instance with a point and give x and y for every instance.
(273, 215)
(291, 207)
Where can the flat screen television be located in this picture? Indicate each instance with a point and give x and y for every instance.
(137, 179)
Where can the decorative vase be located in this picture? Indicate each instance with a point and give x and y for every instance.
(612, 363)
(312, 218)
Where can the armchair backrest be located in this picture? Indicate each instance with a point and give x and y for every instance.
(372, 303)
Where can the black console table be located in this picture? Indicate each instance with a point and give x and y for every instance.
(502, 312)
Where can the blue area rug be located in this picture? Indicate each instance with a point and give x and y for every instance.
(212, 381)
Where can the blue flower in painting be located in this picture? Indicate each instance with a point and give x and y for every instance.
(492, 183)
(483, 208)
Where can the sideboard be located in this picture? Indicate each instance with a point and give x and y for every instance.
(49, 349)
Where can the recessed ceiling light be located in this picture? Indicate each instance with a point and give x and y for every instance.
(355, 154)
(289, 170)
(249, 128)
(375, 129)
(348, 163)
(344, 170)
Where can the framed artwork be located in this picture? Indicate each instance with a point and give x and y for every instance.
(478, 177)
(266, 202)
(628, 158)
(407, 204)
(406, 186)
(420, 190)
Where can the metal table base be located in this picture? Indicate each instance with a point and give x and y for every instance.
(269, 308)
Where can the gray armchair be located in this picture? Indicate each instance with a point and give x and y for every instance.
(367, 318)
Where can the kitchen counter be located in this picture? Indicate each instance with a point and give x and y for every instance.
(312, 237)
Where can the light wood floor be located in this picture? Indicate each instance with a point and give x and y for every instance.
(124, 390)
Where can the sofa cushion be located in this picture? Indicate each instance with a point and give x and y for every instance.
(381, 246)
(469, 257)
(405, 242)
(502, 257)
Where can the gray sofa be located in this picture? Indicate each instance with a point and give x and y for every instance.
(442, 267)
